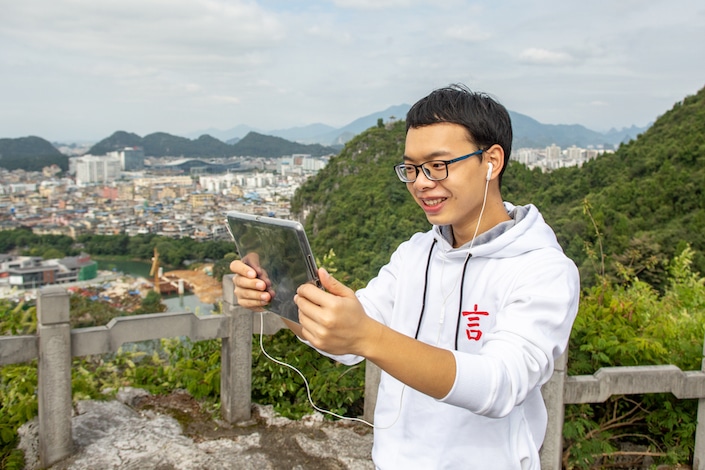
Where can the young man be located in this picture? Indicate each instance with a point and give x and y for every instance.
(467, 319)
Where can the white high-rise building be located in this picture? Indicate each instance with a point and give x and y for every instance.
(553, 153)
(575, 153)
(92, 169)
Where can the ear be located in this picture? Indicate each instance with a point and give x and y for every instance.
(495, 156)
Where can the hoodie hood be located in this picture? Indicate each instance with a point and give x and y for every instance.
(527, 231)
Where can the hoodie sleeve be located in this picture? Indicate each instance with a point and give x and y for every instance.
(532, 330)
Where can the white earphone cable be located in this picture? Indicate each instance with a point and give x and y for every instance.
(308, 388)
(482, 211)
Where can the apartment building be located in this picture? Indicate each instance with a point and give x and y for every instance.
(31, 272)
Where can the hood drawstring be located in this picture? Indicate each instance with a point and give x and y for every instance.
(425, 288)
(460, 302)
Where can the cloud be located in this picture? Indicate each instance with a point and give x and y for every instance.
(155, 31)
(468, 33)
(373, 4)
(182, 65)
(227, 99)
(536, 56)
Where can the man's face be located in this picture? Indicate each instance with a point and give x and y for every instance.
(456, 200)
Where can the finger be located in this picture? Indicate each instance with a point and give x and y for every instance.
(308, 319)
(246, 283)
(241, 269)
(334, 286)
(252, 298)
(312, 295)
(330, 284)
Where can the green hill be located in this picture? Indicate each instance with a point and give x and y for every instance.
(646, 200)
(161, 144)
(119, 140)
(259, 145)
(356, 205)
(31, 154)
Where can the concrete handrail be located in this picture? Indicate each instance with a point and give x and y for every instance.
(55, 344)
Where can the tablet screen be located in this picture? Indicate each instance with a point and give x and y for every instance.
(279, 251)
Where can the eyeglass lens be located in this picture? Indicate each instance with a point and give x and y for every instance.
(434, 170)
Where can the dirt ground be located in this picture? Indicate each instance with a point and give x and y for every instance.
(277, 442)
(204, 286)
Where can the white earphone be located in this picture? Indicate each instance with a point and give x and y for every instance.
(489, 171)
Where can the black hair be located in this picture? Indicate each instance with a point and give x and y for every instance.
(485, 119)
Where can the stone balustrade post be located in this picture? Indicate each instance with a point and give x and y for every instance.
(372, 377)
(553, 393)
(699, 447)
(236, 358)
(54, 375)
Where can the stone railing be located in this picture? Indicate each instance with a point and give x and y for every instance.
(56, 344)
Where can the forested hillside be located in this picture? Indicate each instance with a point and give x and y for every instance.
(356, 205)
(645, 201)
(30, 153)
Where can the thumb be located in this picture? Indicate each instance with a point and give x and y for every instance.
(332, 285)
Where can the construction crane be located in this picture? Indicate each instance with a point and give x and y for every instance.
(155, 270)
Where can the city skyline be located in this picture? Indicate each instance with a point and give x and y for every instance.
(79, 71)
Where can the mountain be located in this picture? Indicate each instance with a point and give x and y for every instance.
(235, 133)
(640, 205)
(528, 132)
(259, 145)
(26, 147)
(117, 141)
(161, 144)
(30, 153)
(305, 134)
(313, 133)
(314, 139)
(342, 135)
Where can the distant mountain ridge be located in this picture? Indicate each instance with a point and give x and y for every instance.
(528, 132)
(314, 139)
(313, 133)
(161, 144)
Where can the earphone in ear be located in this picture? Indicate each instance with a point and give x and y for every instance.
(489, 171)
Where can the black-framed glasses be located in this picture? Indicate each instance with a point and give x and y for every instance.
(435, 170)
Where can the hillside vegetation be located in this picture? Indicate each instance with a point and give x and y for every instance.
(645, 202)
(356, 205)
(30, 154)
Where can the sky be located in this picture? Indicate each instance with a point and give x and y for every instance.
(79, 70)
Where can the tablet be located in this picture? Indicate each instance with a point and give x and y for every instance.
(279, 251)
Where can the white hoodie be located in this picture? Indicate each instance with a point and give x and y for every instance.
(519, 299)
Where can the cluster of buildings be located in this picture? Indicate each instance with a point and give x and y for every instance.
(90, 169)
(30, 272)
(554, 157)
(169, 197)
(126, 192)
